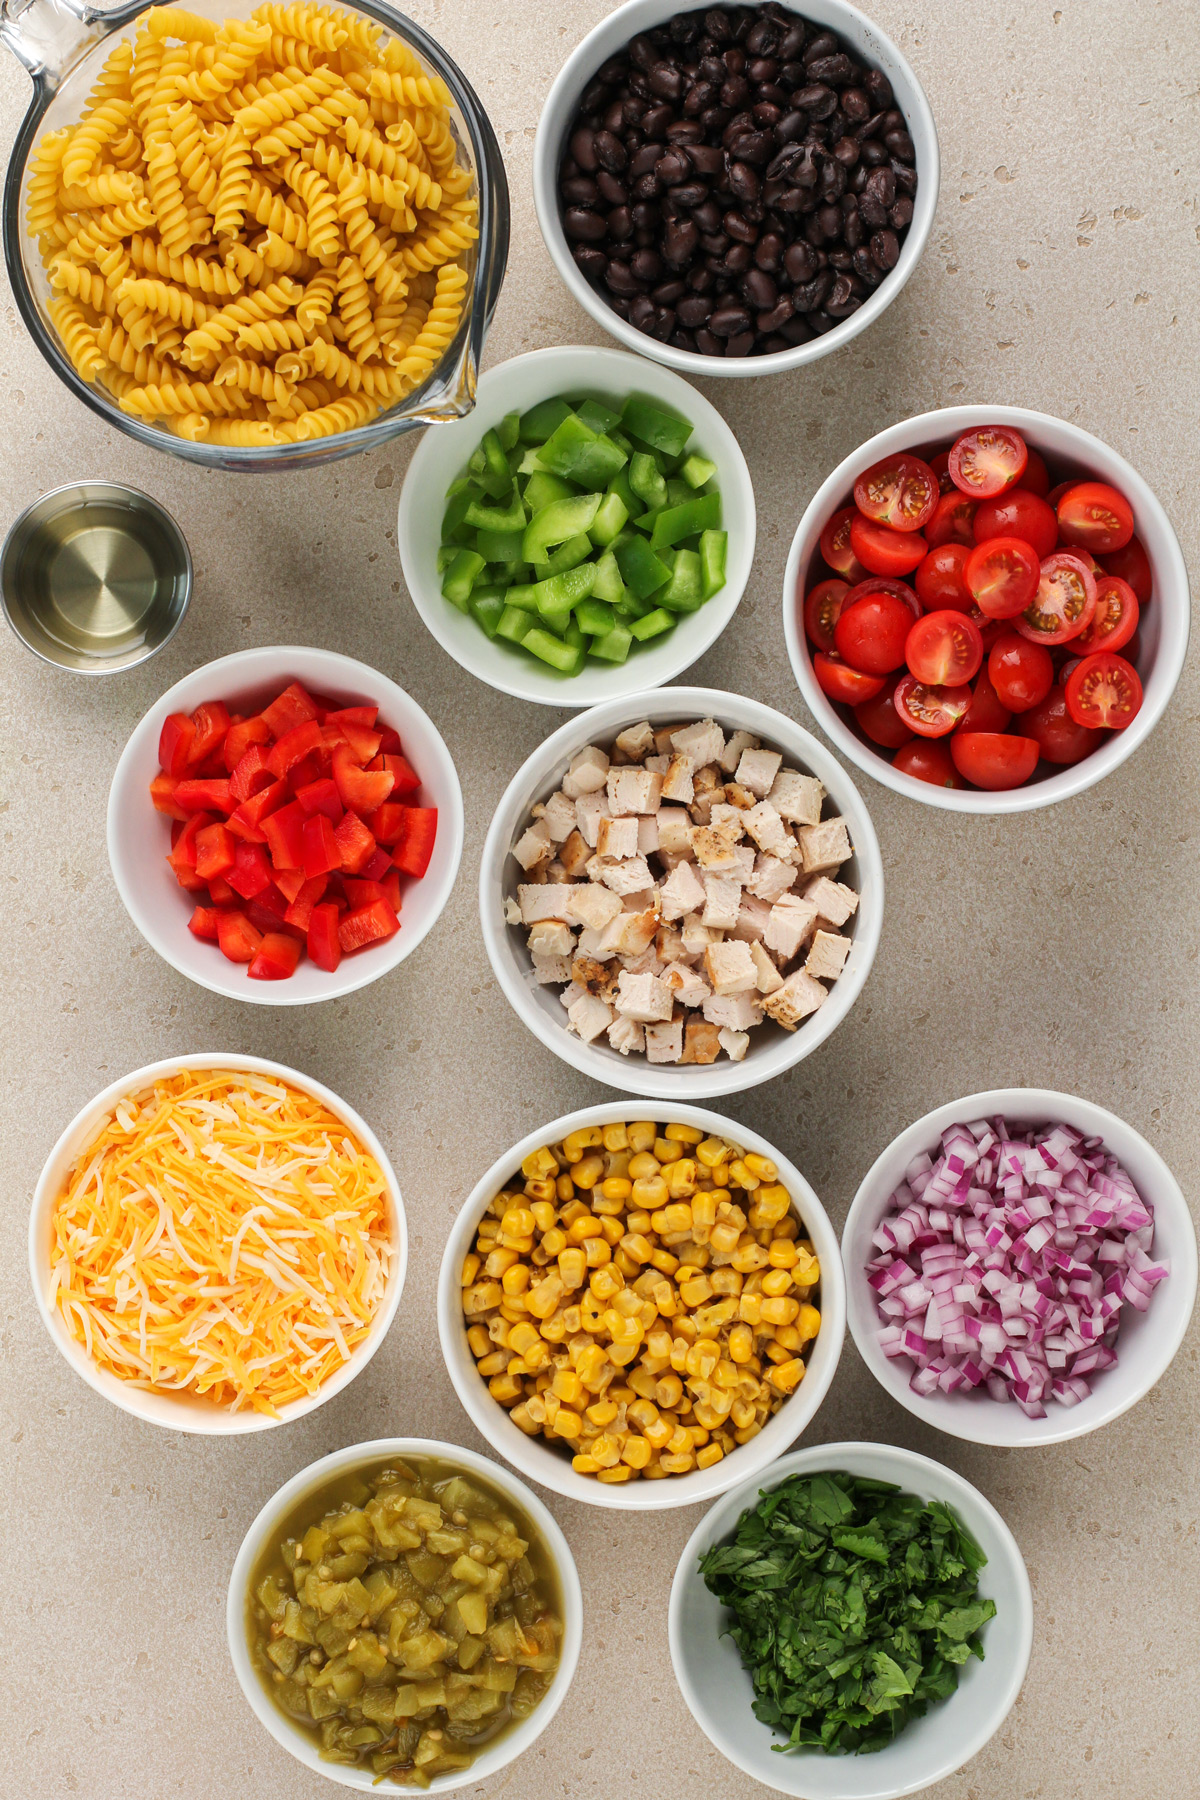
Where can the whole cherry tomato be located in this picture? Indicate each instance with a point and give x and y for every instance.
(1035, 478)
(901, 491)
(1058, 737)
(821, 608)
(1096, 516)
(1018, 514)
(1021, 673)
(1104, 690)
(1132, 564)
(940, 464)
(952, 521)
(883, 551)
(987, 460)
(986, 712)
(928, 761)
(1002, 574)
(871, 635)
(939, 580)
(883, 584)
(993, 760)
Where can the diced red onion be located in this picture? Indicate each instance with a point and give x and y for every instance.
(1005, 1262)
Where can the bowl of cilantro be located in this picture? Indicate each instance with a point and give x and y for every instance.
(854, 1623)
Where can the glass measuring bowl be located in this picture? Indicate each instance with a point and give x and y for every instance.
(63, 43)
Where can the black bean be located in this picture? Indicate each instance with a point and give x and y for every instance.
(700, 279)
(694, 309)
(656, 122)
(759, 291)
(620, 224)
(621, 279)
(901, 146)
(764, 37)
(743, 181)
(770, 322)
(645, 215)
(708, 215)
(815, 100)
(663, 323)
(685, 131)
(645, 159)
(580, 190)
(900, 217)
(824, 44)
(797, 330)
(842, 300)
(855, 105)
(761, 69)
(873, 154)
(905, 178)
(812, 294)
(642, 53)
(878, 87)
(741, 345)
(717, 25)
(847, 151)
(706, 159)
(646, 266)
(769, 249)
(583, 149)
(800, 262)
(740, 228)
(885, 249)
(579, 222)
(837, 70)
(768, 108)
(881, 185)
(680, 242)
(609, 152)
(593, 262)
(840, 260)
(865, 269)
(682, 340)
(614, 118)
(641, 312)
(738, 258)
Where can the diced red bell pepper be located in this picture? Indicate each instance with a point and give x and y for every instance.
(210, 722)
(387, 824)
(291, 708)
(162, 792)
(324, 944)
(283, 832)
(362, 892)
(251, 775)
(289, 882)
(219, 891)
(389, 741)
(268, 911)
(211, 796)
(174, 743)
(321, 851)
(246, 820)
(321, 797)
(391, 889)
(251, 872)
(367, 925)
(300, 912)
(189, 881)
(241, 735)
(310, 768)
(183, 842)
(294, 744)
(405, 780)
(237, 937)
(361, 791)
(276, 957)
(352, 715)
(377, 866)
(336, 891)
(338, 729)
(203, 923)
(216, 849)
(355, 843)
(414, 847)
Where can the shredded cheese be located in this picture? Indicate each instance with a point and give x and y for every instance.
(222, 1233)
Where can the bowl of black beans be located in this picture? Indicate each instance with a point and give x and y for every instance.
(735, 190)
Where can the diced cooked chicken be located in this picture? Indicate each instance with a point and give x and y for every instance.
(617, 837)
(627, 1035)
(647, 834)
(833, 899)
(587, 772)
(771, 878)
(752, 919)
(687, 984)
(825, 846)
(659, 764)
(712, 849)
(769, 977)
(636, 741)
(799, 996)
(722, 900)
(591, 943)
(551, 937)
(593, 974)
(535, 846)
(737, 1012)
(633, 790)
(549, 900)
(796, 797)
(512, 910)
(629, 876)
(682, 892)
(590, 1016)
(592, 905)
(589, 810)
(630, 933)
(743, 862)
(701, 1042)
(790, 923)
(570, 994)
(757, 769)
(734, 1043)
(669, 943)
(767, 829)
(674, 830)
(731, 755)
(558, 814)
(550, 971)
(644, 997)
(729, 967)
(703, 742)
(647, 962)
(575, 854)
(827, 955)
(664, 1042)
(727, 822)
(697, 936)
(677, 782)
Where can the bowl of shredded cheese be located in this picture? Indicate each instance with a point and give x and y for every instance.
(217, 1244)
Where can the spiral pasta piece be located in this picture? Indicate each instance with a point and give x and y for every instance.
(317, 303)
(254, 378)
(310, 24)
(79, 340)
(112, 83)
(307, 127)
(272, 256)
(182, 397)
(415, 91)
(41, 201)
(168, 300)
(273, 108)
(187, 140)
(166, 199)
(246, 434)
(321, 218)
(177, 22)
(270, 337)
(83, 284)
(90, 136)
(233, 184)
(440, 325)
(220, 328)
(326, 421)
(272, 211)
(418, 186)
(354, 309)
(187, 271)
(142, 365)
(237, 49)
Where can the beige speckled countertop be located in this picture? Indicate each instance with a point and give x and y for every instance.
(1058, 948)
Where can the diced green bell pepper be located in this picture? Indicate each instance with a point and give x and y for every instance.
(445, 556)
(560, 593)
(608, 584)
(461, 576)
(486, 606)
(581, 454)
(652, 625)
(561, 520)
(597, 416)
(509, 430)
(712, 560)
(611, 516)
(701, 513)
(496, 474)
(614, 647)
(514, 624)
(528, 461)
(685, 590)
(596, 617)
(543, 489)
(460, 499)
(575, 550)
(510, 517)
(542, 420)
(697, 470)
(661, 430)
(499, 546)
(646, 481)
(566, 658)
(640, 569)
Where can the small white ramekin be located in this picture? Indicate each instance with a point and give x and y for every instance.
(1163, 626)
(140, 838)
(1147, 1342)
(181, 1411)
(771, 1048)
(610, 36)
(570, 371)
(552, 1468)
(513, 1742)
(718, 1690)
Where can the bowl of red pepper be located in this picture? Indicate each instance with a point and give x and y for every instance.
(285, 825)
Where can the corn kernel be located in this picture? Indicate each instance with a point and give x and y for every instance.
(614, 1477)
(719, 1175)
(576, 1142)
(597, 1252)
(636, 1452)
(546, 1189)
(504, 1388)
(567, 1424)
(616, 1187)
(741, 1176)
(776, 1281)
(522, 1338)
(808, 1322)
(750, 1308)
(683, 1134)
(748, 1257)
(587, 1172)
(711, 1453)
(781, 1254)
(516, 1280)
(471, 1267)
(479, 1341)
(677, 1464)
(602, 1413)
(614, 1137)
(538, 1164)
(668, 1391)
(642, 1134)
(585, 1465)
(659, 1432)
(481, 1298)
(696, 1291)
(543, 1299)
(788, 1338)
(787, 1376)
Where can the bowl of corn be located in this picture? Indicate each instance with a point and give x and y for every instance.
(640, 1309)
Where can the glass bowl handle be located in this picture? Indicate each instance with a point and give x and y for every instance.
(50, 36)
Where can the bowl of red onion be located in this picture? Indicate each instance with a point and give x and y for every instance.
(1020, 1267)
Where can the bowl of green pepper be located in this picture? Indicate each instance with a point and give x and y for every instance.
(587, 532)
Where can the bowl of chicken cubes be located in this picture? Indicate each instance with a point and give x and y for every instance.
(681, 893)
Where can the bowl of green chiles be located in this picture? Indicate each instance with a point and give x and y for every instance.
(586, 532)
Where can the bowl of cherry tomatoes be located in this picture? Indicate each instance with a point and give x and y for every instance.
(986, 609)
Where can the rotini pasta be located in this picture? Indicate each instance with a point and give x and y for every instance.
(259, 233)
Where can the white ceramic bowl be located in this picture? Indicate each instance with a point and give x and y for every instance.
(139, 838)
(552, 1468)
(719, 1692)
(442, 456)
(492, 1756)
(771, 1048)
(181, 1411)
(1147, 1342)
(610, 36)
(1163, 626)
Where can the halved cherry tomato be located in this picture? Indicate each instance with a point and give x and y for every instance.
(840, 682)
(1056, 493)
(882, 584)
(987, 460)
(952, 521)
(1035, 478)
(1095, 516)
(1021, 673)
(901, 491)
(926, 761)
(1132, 564)
(1115, 619)
(822, 605)
(1059, 738)
(939, 579)
(944, 649)
(835, 545)
(994, 760)
(870, 636)
(940, 464)
(1002, 574)
(1064, 603)
(930, 711)
(883, 551)
(1018, 514)
(1104, 691)
(986, 711)
(879, 720)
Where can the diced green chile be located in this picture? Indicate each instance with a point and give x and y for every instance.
(652, 624)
